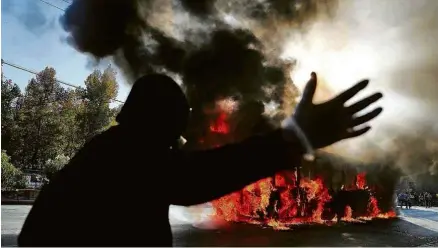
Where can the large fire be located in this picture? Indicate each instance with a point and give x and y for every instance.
(287, 199)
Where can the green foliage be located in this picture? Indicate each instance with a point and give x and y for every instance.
(54, 165)
(96, 113)
(12, 178)
(47, 123)
(10, 100)
(39, 120)
(114, 112)
(10, 93)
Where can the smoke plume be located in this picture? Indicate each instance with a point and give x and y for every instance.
(245, 49)
(220, 49)
(393, 44)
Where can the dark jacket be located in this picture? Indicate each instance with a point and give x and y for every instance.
(116, 192)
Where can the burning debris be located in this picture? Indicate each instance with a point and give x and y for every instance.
(281, 204)
(290, 198)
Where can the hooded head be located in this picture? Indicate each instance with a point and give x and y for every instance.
(156, 107)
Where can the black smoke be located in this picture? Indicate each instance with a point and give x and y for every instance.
(214, 58)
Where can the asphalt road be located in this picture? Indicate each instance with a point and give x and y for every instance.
(416, 227)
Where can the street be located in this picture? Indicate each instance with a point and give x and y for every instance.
(416, 227)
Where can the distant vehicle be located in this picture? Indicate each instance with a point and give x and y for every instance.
(34, 180)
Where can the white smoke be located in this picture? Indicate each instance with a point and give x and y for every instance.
(200, 216)
(393, 43)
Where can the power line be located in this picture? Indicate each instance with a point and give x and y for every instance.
(52, 5)
(4, 62)
(65, 1)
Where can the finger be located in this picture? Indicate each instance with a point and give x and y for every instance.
(358, 132)
(366, 117)
(362, 104)
(309, 90)
(313, 75)
(348, 94)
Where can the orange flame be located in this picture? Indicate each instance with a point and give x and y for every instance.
(281, 202)
(220, 125)
(361, 180)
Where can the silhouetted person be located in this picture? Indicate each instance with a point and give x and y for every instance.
(410, 200)
(403, 200)
(421, 199)
(117, 190)
(428, 200)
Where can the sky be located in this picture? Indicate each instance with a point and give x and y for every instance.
(32, 37)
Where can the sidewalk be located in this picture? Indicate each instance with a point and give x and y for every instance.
(421, 216)
(434, 209)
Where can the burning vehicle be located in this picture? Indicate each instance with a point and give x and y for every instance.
(326, 191)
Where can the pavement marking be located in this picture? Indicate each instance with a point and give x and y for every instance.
(429, 224)
(432, 209)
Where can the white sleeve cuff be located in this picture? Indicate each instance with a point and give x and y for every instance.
(290, 124)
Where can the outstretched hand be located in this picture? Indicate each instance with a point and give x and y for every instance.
(329, 122)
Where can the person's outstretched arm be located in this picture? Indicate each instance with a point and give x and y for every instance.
(207, 175)
(203, 176)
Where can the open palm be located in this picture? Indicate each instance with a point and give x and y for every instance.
(332, 121)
